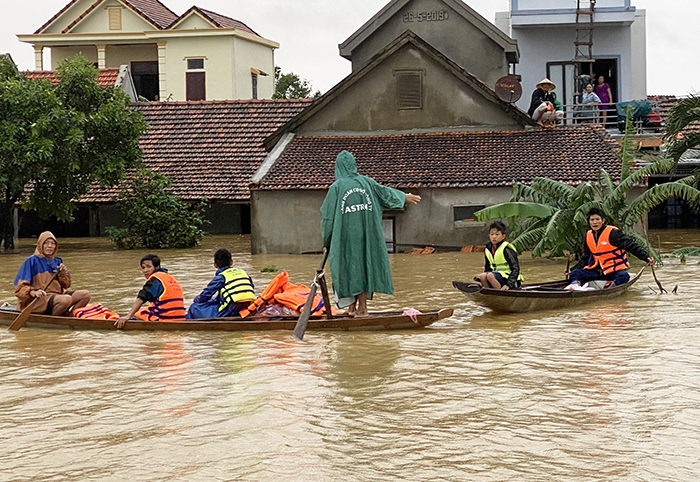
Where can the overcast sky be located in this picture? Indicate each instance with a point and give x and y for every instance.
(309, 32)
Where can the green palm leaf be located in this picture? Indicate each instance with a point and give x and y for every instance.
(556, 191)
(684, 113)
(687, 251)
(514, 209)
(656, 195)
(528, 239)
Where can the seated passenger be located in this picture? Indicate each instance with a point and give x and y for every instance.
(227, 294)
(161, 291)
(604, 254)
(501, 270)
(35, 280)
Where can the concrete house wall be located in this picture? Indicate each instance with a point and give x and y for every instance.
(444, 26)
(371, 104)
(431, 222)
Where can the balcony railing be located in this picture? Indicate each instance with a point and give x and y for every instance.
(607, 116)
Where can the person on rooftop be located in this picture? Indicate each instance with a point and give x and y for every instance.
(542, 105)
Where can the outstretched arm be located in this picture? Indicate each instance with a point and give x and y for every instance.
(621, 240)
(412, 198)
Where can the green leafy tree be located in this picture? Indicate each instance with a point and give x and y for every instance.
(291, 86)
(57, 140)
(551, 216)
(678, 137)
(154, 217)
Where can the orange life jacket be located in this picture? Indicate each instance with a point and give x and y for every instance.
(95, 311)
(295, 297)
(609, 257)
(170, 305)
(267, 294)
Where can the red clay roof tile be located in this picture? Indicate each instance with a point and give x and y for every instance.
(449, 159)
(209, 149)
(106, 77)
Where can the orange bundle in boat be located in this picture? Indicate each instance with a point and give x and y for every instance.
(281, 291)
(95, 311)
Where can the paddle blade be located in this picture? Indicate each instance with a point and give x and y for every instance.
(22, 317)
(303, 320)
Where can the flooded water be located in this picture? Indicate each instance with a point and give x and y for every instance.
(605, 392)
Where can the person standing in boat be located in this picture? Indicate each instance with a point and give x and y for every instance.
(161, 291)
(33, 277)
(604, 254)
(227, 294)
(502, 270)
(351, 227)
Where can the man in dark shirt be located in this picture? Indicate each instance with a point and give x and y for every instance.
(604, 253)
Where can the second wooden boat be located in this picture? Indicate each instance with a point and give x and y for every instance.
(543, 296)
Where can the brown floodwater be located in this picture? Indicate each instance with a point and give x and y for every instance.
(605, 392)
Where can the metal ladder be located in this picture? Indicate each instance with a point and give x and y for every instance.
(583, 44)
(584, 32)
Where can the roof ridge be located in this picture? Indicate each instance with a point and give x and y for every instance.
(230, 101)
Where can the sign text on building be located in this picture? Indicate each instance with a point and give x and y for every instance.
(434, 16)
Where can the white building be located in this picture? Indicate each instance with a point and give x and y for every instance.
(546, 31)
(199, 55)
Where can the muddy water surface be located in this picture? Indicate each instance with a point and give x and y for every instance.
(606, 392)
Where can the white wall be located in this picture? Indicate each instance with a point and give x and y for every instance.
(564, 4)
(556, 44)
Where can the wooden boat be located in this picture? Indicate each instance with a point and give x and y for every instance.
(375, 321)
(536, 297)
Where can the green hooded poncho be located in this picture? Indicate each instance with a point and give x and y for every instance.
(351, 227)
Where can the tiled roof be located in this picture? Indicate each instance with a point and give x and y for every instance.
(152, 10)
(664, 104)
(449, 159)
(106, 77)
(222, 21)
(209, 149)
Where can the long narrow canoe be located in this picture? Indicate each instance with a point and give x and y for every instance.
(375, 321)
(536, 297)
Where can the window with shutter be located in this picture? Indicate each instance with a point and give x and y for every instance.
(115, 18)
(410, 90)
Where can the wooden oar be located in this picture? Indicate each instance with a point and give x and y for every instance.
(22, 317)
(303, 320)
(646, 237)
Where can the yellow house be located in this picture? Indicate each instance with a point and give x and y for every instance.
(199, 55)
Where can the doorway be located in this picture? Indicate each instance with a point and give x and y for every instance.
(146, 80)
(571, 78)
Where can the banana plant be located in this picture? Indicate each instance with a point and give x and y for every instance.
(550, 217)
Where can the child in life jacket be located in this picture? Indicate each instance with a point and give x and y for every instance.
(227, 294)
(501, 269)
(161, 291)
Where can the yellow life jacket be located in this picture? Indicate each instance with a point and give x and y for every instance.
(498, 261)
(237, 288)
